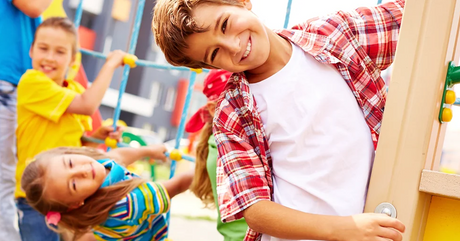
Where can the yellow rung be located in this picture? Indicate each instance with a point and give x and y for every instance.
(130, 60)
(112, 143)
(198, 71)
(175, 155)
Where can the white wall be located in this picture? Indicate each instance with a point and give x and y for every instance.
(273, 12)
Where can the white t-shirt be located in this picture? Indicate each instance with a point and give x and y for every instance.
(320, 144)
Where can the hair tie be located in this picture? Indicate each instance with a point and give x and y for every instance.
(53, 218)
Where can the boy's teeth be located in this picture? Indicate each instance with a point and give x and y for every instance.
(248, 49)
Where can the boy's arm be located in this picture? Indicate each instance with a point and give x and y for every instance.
(32, 9)
(370, 31)
(377, 30)
(278, 221)
(241, 174)
(88, 102)
(127, 155)
(243, 192)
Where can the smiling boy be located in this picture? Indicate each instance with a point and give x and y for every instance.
(296, 165)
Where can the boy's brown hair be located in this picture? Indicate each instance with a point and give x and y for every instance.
(60, 23)
(173, 23)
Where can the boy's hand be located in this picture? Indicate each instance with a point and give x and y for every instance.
(156, 152)
(115, 58)
(372, 227)
(107, 131)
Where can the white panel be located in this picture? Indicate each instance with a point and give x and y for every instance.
(92, 6)
(170, 99)
(131, 103)
(155, 93)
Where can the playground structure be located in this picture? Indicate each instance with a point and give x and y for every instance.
(406, 177)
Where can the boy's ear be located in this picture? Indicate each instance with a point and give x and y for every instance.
(247, 4)
(30, 51)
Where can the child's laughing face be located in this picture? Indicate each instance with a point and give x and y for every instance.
(70, 179)
(52, 52)
(236, 39)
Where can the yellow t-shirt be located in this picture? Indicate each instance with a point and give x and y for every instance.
(42, 121)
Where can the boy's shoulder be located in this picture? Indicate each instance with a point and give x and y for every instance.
(33, 75)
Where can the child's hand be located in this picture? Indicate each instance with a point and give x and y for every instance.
(156, 152)
(373, 227)
(107, 131)
(115, 58)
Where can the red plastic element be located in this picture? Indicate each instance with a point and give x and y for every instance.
(182, 86)
(87, 38)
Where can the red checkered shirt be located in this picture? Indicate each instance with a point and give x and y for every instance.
(359, 44)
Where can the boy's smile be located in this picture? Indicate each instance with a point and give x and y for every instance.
(248, 50)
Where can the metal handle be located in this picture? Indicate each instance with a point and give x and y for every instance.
(386, 208)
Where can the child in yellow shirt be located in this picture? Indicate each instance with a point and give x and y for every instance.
(54, 111)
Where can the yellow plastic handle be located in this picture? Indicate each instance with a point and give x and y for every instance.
(130, 60)
(198, 71)
(450, 97)
(175, 155)
(112, 143)
(446, 114)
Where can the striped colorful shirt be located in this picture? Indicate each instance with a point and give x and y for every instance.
(359, 44)
(138, 216)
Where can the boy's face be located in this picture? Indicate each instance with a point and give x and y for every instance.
(236, 40)
(52, 52)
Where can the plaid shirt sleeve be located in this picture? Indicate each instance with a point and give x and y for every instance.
(243, 175)
(360, 44)
(372, 32)
(376, 31)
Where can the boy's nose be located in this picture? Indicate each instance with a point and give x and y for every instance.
(233, 46)
(49, 56)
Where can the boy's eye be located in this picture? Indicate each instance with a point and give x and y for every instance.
(70, 163)
(213, 55)
(224, 25)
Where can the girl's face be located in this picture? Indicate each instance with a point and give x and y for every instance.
(70, 179)
(52, 52)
